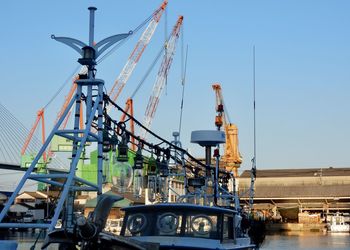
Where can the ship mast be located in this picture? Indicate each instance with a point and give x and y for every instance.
(90, 91)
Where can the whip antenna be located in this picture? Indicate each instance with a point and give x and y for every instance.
(253, 171)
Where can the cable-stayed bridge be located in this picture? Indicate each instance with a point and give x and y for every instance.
(12, 137)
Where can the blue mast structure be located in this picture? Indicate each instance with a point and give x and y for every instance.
(92, 90)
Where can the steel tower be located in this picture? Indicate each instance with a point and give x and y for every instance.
(89, 91)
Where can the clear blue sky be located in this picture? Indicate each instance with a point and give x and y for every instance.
(302, 69)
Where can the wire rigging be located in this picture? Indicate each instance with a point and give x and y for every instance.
(62, 86)
(114, 48)
(156, 59)
(199, 163)
(132, 33)
(183, 80)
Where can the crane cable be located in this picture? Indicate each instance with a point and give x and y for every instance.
(166, 45)
(148, 72)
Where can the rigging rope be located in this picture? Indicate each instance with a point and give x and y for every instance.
(115, 47)
(183, 92)
(156, 136)
(62, 86)
(148, 72)
(133, 32)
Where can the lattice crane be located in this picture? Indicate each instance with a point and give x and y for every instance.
(231, 158)
(162, 75)
(39, 117)
(136, 53)
(68, 98)
(131, 64)
(117, 87)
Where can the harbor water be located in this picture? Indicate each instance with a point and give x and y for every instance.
(285, 241)
(307, 241)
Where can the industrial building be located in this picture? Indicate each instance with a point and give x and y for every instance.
(290, 192)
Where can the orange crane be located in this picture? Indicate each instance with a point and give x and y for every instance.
(231, 158)
(161, 77)
(118, 85)
(68, 98)
(39, 117)
(129, 108)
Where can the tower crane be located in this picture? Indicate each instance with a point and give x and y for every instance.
(231, 158)
(161, 76)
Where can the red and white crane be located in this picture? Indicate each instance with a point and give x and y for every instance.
(118, 85)
(136, 53)
(161, 77)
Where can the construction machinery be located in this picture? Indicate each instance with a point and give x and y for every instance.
(114, 92)
(92, 90)
(232, 158)
(130, 65)
(161, 76)
(39, 117)
(136, 53)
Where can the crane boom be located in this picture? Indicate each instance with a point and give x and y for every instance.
(231, 158)
(136, 53)
(161, 77)
(68, 98)
(40, 116)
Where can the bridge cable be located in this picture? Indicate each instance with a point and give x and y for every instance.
(10, 140)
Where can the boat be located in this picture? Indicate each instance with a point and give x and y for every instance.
(197, 220)
(185, 226)
(337, 224)
(207, 216)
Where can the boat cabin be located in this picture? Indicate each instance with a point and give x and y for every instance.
(179, 220)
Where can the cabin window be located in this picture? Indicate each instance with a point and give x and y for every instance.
(169, 224)
(136, 224)
(201, 226)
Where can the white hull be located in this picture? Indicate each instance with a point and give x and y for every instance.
(339, 228)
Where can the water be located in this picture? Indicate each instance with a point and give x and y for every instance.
(307, 241)
(286, 241)
(26, 239)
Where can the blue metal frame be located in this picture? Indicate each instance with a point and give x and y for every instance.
(79, 136)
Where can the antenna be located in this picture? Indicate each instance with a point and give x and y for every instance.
(253, 171)
(183, 80)
(254, 106)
